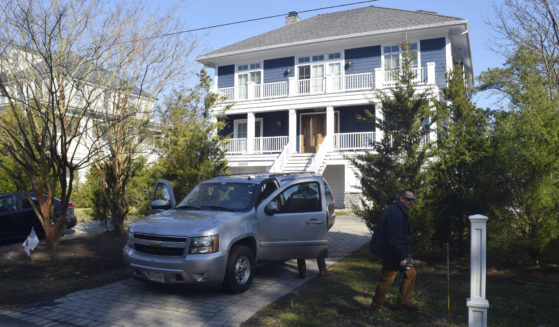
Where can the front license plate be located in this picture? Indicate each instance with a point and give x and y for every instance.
(155, 276)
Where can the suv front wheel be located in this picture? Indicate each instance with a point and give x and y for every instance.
(240, 269)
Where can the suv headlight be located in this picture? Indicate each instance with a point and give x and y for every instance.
(204, 244)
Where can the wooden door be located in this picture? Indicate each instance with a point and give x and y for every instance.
(313, 132)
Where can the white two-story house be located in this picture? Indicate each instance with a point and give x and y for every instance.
(298, 91)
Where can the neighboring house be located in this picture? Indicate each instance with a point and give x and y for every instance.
(86, 83)
(298, 91)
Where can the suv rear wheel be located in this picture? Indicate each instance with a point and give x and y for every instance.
(240, 269)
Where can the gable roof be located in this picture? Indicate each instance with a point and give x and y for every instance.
(342, 24)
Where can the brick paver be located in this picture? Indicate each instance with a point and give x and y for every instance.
(136, 303)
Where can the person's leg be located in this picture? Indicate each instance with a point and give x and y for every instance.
(407, 286)
(322, 270)
(302, 266)
(386, 279)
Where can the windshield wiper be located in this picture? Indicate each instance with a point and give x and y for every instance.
(218, 208)
(186, 206)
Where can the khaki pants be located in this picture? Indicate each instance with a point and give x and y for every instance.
(386, 279)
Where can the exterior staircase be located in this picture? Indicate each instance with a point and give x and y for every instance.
(298, 162)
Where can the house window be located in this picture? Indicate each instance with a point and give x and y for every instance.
(333, 56)
(245, 74)
(393, 55)
(303, 60)
(240, 128)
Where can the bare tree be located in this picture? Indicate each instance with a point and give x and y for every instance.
(152, 63)
(531, 24)
(72, 71)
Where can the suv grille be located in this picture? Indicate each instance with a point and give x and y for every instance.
(160, 244)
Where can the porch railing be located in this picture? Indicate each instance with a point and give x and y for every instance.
(236, 146)
(391, 76)
(270, 144)
(330, 84)
(354, 141)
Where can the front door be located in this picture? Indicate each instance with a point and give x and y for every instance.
(313, 131)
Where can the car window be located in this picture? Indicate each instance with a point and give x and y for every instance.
(220, 196)
(304, 197)
(265, 190)
(162, 193)
(24, 203)
(8, 203)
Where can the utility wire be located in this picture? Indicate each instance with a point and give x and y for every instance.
(255, 19)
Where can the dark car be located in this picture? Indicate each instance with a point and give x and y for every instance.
(17, 216)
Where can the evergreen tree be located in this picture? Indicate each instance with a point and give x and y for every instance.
(190, 149)
(526, 143)
(457, 174)
(398, 160)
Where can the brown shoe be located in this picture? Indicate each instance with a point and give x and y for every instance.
(379, 308)
(407, 307)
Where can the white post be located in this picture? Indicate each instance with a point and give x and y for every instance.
(250, 90)
(379, 78)
(293, 86)
(477, 304)
(378, 115)
(250, 132)
(431, 73)
(293, 130)
(330, 125)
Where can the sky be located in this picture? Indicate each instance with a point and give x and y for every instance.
(203, 13)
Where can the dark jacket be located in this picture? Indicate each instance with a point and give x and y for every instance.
(391, 236)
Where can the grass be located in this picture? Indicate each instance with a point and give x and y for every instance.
(517, 295)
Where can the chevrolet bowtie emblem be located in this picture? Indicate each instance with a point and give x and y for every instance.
(154, 243)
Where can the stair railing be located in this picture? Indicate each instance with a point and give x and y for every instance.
(323, 150)
(281, 160)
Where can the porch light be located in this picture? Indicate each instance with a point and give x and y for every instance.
(288, 70)
(280, 123)
(348, 63)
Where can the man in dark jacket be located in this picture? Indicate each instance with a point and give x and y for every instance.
(391, 243)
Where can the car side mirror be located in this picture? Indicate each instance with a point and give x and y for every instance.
(271, 209)
(160, 204)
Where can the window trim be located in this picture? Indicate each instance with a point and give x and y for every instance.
(418, 52)
(236, 123)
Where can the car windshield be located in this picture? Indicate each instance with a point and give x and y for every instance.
(219, 196)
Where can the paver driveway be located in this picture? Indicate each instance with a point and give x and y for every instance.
(136, 303)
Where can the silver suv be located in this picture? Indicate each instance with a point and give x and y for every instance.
(225, 225)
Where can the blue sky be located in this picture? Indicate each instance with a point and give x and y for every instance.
(196, 14)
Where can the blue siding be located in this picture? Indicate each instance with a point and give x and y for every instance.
(363, 60)
(275, 70)
(229, 121)
(350, 121)
(226, 76)
(270, 121)
(434, 50)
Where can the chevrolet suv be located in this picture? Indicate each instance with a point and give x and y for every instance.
(225, 225)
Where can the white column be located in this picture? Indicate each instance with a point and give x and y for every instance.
(250, 132)
(379, 78)
(293, 130)
(431, 73)
(330, 123)
(477, 304)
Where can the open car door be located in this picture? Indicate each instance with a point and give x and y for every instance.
(293, 223)
(163, 197)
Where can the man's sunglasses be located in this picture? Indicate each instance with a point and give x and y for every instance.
(410, 199)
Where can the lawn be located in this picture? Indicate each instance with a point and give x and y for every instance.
(518, 296)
